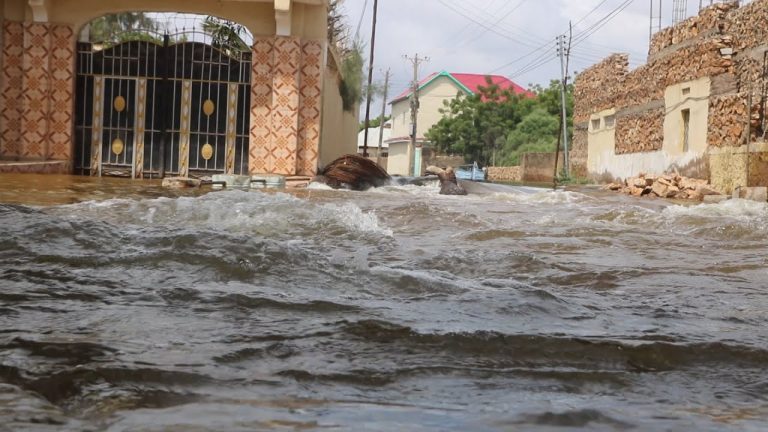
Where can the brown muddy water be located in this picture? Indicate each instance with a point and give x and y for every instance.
(126, 307)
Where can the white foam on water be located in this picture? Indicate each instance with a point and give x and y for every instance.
(355, 219)
(232, 210)
(319, 186)
(736, 209)
(545, 197)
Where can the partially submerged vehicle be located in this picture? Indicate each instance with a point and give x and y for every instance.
(471, 172)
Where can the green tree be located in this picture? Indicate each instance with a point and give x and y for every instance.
(474, 126)
(375, 122)
(496, 126)
(227, 35)
(351, 83)
(536, 132)
(120, 27)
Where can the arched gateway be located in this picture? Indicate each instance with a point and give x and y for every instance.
(178, 102)
(152, 102)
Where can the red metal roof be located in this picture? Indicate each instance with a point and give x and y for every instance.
(473, 81)
(470, 82)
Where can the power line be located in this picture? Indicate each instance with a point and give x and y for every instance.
(482, 24)
(590, 13)
(580, 37)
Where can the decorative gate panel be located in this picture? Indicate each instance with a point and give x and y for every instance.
(151, 108)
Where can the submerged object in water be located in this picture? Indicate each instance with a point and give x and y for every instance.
(353, 172)
(448, 183)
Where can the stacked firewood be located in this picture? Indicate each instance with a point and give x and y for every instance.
(670, 186)
(708, 20)
(642, 132)
(727, 120)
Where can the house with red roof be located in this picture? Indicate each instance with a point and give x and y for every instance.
(433, 91)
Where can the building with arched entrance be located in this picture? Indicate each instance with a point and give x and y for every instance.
(173, 102)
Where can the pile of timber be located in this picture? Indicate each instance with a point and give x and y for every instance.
(670, 186)
(354, 172)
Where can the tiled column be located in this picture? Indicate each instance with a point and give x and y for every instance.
(261, 105)
(62, 86)
(285, 106)
(311, 106)
(36, 83)
(11, 90)
(36, 91)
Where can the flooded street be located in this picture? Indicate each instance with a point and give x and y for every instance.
(126, 307)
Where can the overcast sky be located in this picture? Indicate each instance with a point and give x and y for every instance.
(514, 38)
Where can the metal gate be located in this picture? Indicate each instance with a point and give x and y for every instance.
(156, 107)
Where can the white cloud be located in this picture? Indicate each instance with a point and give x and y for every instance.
(457, 44)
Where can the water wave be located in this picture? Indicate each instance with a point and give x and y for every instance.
(233, 211)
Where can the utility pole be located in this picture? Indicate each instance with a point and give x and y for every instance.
(562, 51)
(383, 115)
(415, 61)
(370, 79)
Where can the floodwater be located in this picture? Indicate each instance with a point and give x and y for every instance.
(126, 307)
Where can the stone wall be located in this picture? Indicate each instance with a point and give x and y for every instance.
(505, 174)
(726, 43)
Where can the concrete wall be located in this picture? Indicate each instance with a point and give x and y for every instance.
(601, 151)
(540, 167)
(400, 159)
(339, 128)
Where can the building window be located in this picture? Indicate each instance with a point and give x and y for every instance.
(686, 129)
(686, 91)
(595, 124)
(610, 121)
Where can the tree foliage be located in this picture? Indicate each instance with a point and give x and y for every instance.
(374, 122)
(351, 83)
(351, 56)
(497, 126)
(124, 26)
(227, 35)
(338, 29)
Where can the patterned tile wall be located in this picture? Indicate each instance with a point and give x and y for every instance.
(35, 104)
(285, 106)
(311, 107)
(10, 90)
(62, 65)
(37, 91)
(261, 105)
